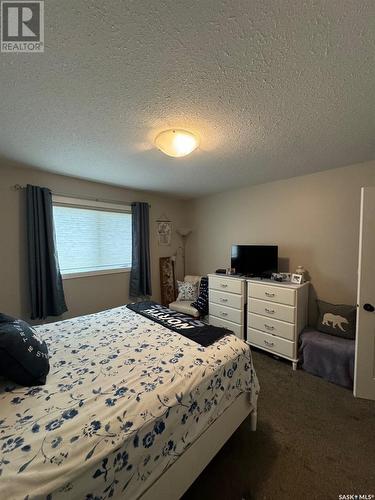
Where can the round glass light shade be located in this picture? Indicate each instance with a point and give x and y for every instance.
(176, 142)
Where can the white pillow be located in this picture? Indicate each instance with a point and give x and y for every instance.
(187, 290)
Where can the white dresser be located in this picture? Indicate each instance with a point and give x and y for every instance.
(227, 301)
(276, 315)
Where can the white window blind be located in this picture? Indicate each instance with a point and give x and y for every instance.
(92, 238)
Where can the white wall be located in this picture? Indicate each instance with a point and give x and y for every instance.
(314, 219)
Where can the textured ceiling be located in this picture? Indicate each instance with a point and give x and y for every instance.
(273, 88)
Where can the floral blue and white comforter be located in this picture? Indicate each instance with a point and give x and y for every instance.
(124, 398)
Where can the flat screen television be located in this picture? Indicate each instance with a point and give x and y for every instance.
(255, 260)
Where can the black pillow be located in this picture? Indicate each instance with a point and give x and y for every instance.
(337, 320)
(202, 301)
(23, 356)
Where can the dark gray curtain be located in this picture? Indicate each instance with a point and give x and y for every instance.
(46, 289)
(140, 277)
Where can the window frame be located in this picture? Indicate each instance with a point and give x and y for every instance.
(72, 202)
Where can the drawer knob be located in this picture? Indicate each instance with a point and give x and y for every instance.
(269, 294)
(270, 344)
(223, 285)
(223, 300)
(269, 327)
(224, 314)
(270, 311)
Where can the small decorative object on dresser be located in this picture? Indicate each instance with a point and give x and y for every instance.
(302, 271)
(227, 300)
(297, 279)
(277, 313)
(280, 276)
(286, 276)
(277, 277)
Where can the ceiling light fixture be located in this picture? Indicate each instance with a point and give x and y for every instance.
(176, 142)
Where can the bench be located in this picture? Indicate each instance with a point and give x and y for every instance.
(326, 356)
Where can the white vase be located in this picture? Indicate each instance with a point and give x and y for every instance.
(301, 270)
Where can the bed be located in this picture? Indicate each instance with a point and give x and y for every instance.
(130, 410)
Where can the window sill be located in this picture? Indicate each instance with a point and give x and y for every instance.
(95, 273)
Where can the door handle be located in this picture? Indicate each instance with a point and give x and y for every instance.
(369, 308)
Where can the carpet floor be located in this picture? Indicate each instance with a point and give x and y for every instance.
(314, 441)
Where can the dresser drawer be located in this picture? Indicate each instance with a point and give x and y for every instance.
(233, 327)
(273, 293)
(272, 310)
(271, 343)
(226, 285)
(228, 313)
(271, 326)
(226, 299)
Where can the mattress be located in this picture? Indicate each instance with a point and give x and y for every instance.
(124, 398)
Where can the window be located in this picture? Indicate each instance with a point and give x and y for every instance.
(92, 237)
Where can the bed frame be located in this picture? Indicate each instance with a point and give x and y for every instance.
(173, 483)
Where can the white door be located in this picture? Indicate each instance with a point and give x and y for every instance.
(364, 373)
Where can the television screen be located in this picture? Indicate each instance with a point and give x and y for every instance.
(255, 260)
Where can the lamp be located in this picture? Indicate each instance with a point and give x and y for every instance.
(176, 142)
(184, 233)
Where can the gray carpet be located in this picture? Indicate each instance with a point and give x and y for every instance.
(314, 441)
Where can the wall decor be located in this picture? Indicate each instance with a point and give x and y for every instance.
(164, 231)
(167, 280)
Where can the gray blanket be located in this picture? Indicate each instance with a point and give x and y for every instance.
(328, 357)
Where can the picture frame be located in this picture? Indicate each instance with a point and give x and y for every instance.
(164, 232)
(276, 277)
(296, 279)
(284, 277)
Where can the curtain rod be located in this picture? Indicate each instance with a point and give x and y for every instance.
(18, 187)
